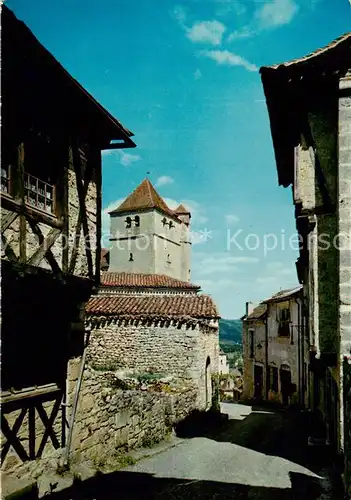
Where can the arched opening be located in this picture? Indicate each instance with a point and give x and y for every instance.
(208, 382)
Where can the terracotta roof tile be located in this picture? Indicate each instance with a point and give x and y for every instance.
(153, 306)
(181, 210)
(139, 280)
(258, 312)
(341, 40)
(144, 197)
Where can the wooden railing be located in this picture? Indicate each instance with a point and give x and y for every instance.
(38, 194)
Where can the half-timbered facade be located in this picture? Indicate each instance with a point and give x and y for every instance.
(53, 132)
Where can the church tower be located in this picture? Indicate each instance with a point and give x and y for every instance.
(148, 237)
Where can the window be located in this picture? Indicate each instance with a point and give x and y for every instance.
(5, 179)
(128, 222)
(273, 378)
(168, 260)
(137, 221)
(171, 224)
(38, 194)
(252, 343)
(284, 322)
(164, 221)
(131, 259)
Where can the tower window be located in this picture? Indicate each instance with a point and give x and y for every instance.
(131, 259)
(164, 221)
(171, 224)
(137, 221)
(128, 222)
(168, 259)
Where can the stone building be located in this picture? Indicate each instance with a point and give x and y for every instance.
(148, 237)
(275, 351)
(309, 105)
(144, 323)
(53, 132)
(223, 363)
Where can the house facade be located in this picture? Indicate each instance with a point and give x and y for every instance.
(275, 352)
(148, 237)
(223, 363)
(309, 105)
(53, 132)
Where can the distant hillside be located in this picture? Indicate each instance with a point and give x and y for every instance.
(230, 331)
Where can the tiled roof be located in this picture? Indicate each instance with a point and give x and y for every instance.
(139, 280)
(144, 197)
(283, 294)
(342, 40)
(258, 312)
(181, 210)
(153, 306)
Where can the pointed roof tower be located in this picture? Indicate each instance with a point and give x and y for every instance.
(181, 210)
(144, 197)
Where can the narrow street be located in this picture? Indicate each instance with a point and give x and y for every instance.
(257, 453)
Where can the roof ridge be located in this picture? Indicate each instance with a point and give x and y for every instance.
(334, 43)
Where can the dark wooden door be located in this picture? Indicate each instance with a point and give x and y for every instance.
(258, 381)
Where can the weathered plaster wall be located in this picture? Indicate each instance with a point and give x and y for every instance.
(150, 244)
(259, 355)
(138, 241)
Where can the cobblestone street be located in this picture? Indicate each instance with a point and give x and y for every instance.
(255, 454)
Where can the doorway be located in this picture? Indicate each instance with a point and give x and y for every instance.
(258, 382)
(208, 382)
(285, 384)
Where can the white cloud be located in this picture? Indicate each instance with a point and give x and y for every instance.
(275, 13)
(197, 211)
(127, 159)
(179, 13)
(269, 15)
(197, 74)
(124, 159)
(164, 180)
(241, 34)
(205, 264)
(234, 7)
(231, 219)
(105, 221)
(226, 58)
(206, 32)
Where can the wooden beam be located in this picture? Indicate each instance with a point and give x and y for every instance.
(11, 436)
(30, 213)
(98, 181)
(48, 423)
(41, 252)
(10, 254)
(49, 255)
(20, 197)
(82, 191)
(8, 220)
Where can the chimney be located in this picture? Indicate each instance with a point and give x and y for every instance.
(249, 308)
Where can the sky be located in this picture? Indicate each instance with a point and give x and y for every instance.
(183, 76)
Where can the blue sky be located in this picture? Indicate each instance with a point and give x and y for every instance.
(183, 77)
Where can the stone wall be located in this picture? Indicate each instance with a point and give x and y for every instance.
(179, 351)
(108, 420)
(344, 292)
